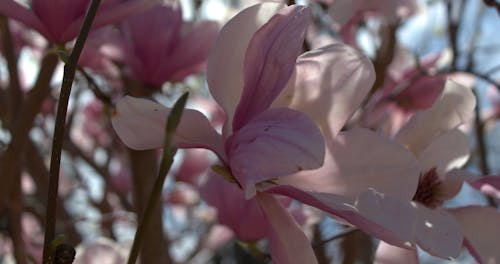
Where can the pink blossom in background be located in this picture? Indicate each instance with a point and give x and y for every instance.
(348, 14)
(175, 50)
(194, 165)
(102, 48)
(244, 217)
(60, 21)
(409, 87)
(183, 195)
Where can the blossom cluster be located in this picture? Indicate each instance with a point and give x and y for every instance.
(290, 122)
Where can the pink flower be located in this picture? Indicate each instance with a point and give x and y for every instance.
(441, 149)
(159, 46)
(270, 143)
(60, 21)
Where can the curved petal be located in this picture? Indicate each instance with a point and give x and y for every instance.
(58, 15)
(446, 152)
(188, 56)
(107, 16)
(243, 216)
(452, 183)
(270, 61)
(330, 84)
(287, 242)
(225, 64)
(422, 93)
(387, 254)
(359, 159)
(11, 9)
(438, 233)
(480, 225)
(140, 124)
(276, 143)
(377, 214)
(148, 51)
(392, 220)
(489, 185)
(455, 107)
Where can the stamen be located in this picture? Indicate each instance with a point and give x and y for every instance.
(429, 189)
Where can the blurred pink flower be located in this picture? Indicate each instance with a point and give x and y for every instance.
(194, 164)
(269, 144)
(158, 46)
(409, 87)
(348, 14)
(60, 21)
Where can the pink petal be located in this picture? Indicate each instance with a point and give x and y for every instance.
(58, 15)
(111, 14)
(422, 92)
(12, 9)
(438, 233)
(455, 107)
(387, 254)
(377, 214)
(193, 166)
(140, 124)
(359, 159)
(452, 183)
(447, 151)
(270, 61)
(189, 56)
(148, 51)
(392, 220)
(276, 143)
(225, 64)
(489, 185)
(330, 84)
(287, 242)
(244, 217)
(480, 225)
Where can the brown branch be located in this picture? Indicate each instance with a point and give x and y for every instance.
(22, 127)
(35, 165)
(493, 3)
(15, 93)
(14, 220)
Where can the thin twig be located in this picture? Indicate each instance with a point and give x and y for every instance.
(68, 77)
(99, 94)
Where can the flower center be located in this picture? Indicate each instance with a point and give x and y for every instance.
(429, 189)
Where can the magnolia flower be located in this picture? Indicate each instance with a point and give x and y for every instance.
(60, 21)
(441, 149)
(284, 116)
(158, 46)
